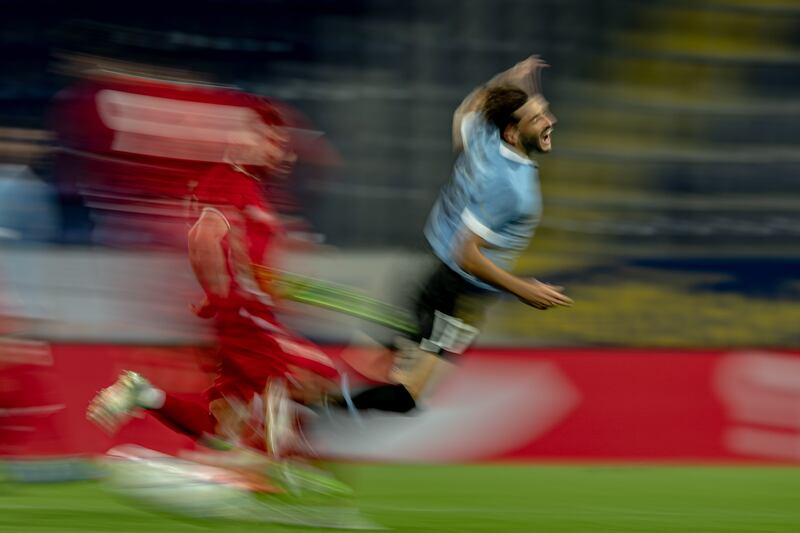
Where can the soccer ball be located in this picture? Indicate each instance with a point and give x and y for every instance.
(187, 488)
(173, 485)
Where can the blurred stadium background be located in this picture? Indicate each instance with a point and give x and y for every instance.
(671, 198)
(672, 209)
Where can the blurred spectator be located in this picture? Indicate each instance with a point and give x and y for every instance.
(28, 206)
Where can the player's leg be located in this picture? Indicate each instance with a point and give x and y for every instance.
(398, 396)
(193, 419)
(444, 298)
(114, 405)
(279, 426)
(269, 373)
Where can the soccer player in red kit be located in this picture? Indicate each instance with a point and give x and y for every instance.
(260, 363)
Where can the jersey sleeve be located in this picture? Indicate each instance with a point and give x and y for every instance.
(212, 194)
(495, 206)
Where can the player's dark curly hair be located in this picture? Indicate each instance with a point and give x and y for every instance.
(500, 104)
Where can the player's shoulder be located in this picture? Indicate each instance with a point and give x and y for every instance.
(220, 183)
(227, 174)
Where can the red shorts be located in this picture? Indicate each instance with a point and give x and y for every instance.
(254, 348)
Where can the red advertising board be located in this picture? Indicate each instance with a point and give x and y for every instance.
(501, 404)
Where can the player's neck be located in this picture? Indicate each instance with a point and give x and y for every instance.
(514, 151)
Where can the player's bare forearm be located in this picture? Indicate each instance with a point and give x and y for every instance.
(208, 264)
(532, 292)
(524, 75)
(207, 255)
(473, 261)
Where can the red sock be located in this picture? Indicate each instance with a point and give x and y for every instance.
(187, 417)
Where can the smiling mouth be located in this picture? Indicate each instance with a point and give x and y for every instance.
(546, 134)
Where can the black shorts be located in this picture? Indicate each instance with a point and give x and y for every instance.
(447, 291)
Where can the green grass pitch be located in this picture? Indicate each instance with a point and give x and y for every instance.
(484, 498)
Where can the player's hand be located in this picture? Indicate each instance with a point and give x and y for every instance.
(524, 74)
(542, 295)
(204, 309)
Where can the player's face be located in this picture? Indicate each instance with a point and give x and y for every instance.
(268, 149)
(270, 157)
(535, 125)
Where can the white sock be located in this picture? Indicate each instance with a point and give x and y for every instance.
(151, 398)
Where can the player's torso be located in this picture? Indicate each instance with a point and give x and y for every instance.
(254, 229)
(473, 184)
(518, 231)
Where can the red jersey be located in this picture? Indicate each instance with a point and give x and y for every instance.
(150, 136)
(254, 346)
(129, 146)
(254, 228)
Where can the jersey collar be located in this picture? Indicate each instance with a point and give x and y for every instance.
(508, 153)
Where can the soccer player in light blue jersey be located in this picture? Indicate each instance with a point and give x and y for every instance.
(482, 220)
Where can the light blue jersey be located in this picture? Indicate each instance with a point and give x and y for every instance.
(494, 193)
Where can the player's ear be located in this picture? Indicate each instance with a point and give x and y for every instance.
(511, 134)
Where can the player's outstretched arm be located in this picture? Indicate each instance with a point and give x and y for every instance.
(525, 75)
(473, 102)
(530, 291)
